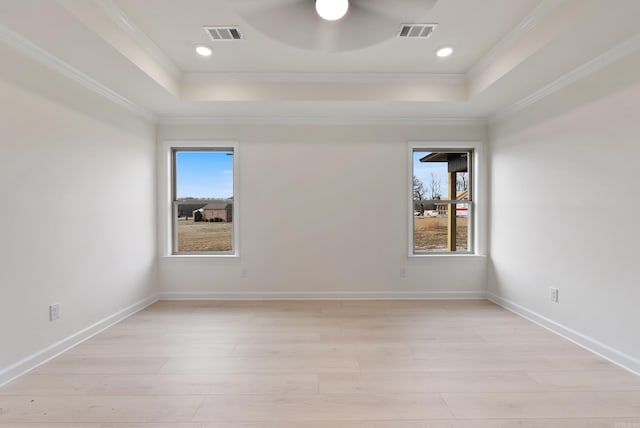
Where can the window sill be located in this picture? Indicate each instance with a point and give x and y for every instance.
(443, 256)
(199, 256)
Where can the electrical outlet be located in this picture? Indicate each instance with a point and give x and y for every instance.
(403, 273)
(554, 294)
(54, 311)
(244, 273)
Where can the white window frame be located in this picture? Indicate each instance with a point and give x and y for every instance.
(166, 219)
(478, 182)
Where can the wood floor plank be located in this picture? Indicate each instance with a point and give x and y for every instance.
(510, 423)
(549, 347)
(545, 404)
(480, 362)
(320, 349)
(51, 425)
(277, 364)
(92, 409)
(299, 336)
(53, 384)
(161, 349)
(344, 407)
(448, 423)
(99, 365)
(164, 384)
(591, 380)
(403, 383)
(399, 335)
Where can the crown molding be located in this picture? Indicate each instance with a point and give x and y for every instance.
(527, 24)
(118, 16)
(440, 78)
(29, 49)
(322, 120)
(620, 51)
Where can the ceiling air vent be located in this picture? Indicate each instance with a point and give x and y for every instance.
(224, 34)
(416, 31)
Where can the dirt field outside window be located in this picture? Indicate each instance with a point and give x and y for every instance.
(430, 234)
(204, 236)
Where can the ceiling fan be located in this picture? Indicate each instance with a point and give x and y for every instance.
(298, 23)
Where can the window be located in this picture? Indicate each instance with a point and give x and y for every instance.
(203, 200)
(442, 200)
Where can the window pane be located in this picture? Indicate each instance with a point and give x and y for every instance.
(204, 201)
(430, 231)
(440, 177)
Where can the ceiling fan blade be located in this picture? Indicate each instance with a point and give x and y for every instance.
(359, 28)
(296, 23)
(404, 11)
(292, 22)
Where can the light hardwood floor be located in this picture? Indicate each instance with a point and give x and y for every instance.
(317, 364)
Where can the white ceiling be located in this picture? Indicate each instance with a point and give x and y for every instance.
(176, 26)
(141, 54)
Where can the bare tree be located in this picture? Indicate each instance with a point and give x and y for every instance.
(462, 181)
(435, 187)
(418, 189)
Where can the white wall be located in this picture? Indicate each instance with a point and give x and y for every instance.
(565, 211)
(77, 221)
(323, 213)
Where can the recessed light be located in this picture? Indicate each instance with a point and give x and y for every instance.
(444, 51)
(203, 51)
(332, 10)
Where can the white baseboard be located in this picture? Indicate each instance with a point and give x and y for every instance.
(619, 358)
(27, 364)
(326, 295)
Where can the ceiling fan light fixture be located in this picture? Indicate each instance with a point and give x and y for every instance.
(332, 10)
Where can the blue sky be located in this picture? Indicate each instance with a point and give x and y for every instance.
(204, 174)
(423, 170)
